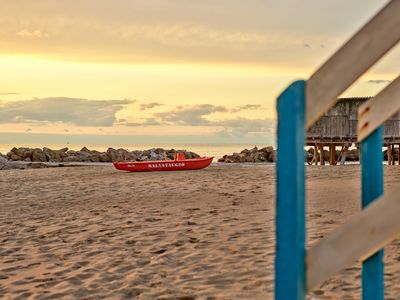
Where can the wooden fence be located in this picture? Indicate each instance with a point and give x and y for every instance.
(299, 107)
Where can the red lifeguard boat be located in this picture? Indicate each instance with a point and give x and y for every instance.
(179, 164)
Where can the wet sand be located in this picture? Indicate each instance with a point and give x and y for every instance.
(94, 232)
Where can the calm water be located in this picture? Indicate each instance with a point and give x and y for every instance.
(216, 150)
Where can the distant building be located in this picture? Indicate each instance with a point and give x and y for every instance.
(338, 127)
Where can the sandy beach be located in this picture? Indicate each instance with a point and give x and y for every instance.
(94, 232)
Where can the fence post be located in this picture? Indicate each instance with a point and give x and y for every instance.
(290, 278)
(372, 188)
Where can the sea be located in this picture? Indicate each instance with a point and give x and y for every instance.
(215, 150)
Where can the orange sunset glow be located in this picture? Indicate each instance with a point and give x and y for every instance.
(166, 68)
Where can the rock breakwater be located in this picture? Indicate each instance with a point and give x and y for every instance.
(85, 155)
(266, 154)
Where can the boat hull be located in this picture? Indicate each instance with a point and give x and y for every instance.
(164, 165)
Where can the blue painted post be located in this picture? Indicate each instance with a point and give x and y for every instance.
(290, 278)
(372, 188)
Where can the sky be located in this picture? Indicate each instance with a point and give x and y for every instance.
(155, 71)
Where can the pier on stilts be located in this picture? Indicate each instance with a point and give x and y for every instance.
(333, 138)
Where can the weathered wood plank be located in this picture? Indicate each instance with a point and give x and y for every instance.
(355, 57)
(377, 110)
(371, 189)
(290, 195)
(363, 235)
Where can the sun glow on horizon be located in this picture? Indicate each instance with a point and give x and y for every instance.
(130, 68)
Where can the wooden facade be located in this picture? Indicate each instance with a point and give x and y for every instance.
(338, 127)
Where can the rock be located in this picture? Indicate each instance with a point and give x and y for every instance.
(245, 152)
(268, 149)
(117, 155)
(352, 155)
(82, 156)
(3, 163)
(337, 154)
(84, 149)
(159, 150)
(191, 154)
(52, 155)
(232, 158)
(103, 157)
(261, 157)
(70, 152)
(12, 156)
(309, 155)
(17, 154)
(396, 154)
(9, 165)
(254, 150)
(242, 156)
(38, 155)
(22, 152)
(223, 158)
(71, 159)
(153, 155)
(272, 156)
(266, 154)
(87, 155)
(170, 154)
(144, 158)
(325, 154)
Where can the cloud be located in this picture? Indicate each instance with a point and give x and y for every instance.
(379, 81)
(245, 107)
(149, 105)
(81, 112)
(264, 33)
(32, 34)
(190, 115)
(197, 115)
(246, 127)
(8, 93)
(250, 106)
(146, 122)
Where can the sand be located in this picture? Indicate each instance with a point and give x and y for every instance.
(94, 232)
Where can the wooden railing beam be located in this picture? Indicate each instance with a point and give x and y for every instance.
(377, 110)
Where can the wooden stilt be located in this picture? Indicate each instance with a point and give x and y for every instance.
(391, 151)
(398, 155)
(389, 154)
(332, 154)
(393, 155)
(315, 159)
(344, 154)
(321, 156)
